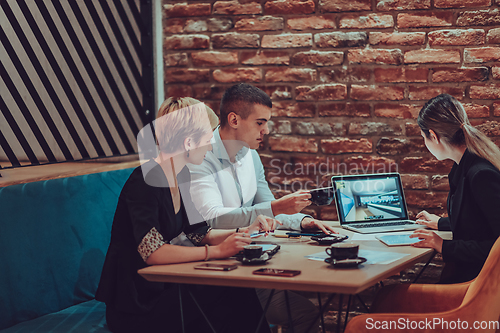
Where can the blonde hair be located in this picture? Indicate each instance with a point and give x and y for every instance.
(193, 120)
(447, 118)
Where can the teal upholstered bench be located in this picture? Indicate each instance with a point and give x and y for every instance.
(54, 235)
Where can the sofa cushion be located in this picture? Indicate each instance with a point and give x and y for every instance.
(54, 235)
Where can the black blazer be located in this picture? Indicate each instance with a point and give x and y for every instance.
(473, 217)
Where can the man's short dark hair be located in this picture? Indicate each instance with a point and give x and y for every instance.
(240, 99)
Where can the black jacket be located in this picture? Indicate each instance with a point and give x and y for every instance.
(473, 217)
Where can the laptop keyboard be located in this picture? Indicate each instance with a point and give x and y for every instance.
(381, 224)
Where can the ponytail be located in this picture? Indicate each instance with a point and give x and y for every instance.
(479, 144)
(447, 118)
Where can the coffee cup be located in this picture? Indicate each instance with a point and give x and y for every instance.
(341, 251)
(252, 251)
(322, 196)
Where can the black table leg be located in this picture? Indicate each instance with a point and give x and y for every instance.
(322, 317)
(265, 310)
(347, 312)
(201, 310)
(321, 312)
(339, 318)
(425, 266)
(363, 303)
(290, 322)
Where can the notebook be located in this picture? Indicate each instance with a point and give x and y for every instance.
(372, 203)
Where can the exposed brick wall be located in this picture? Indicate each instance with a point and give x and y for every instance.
(347, 79)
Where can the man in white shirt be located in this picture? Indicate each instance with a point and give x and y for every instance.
(229, 188)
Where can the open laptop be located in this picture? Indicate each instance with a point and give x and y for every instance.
(372, 203)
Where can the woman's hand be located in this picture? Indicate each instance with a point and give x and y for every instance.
(310, 223)
(230, 246)
(429, 220)
(428, 239)
(262, 223)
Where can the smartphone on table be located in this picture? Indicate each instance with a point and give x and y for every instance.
(276, 272)
(217, 267)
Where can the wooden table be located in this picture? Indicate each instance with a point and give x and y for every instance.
(315, 276)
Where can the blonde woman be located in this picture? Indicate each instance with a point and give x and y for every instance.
(474, 197)
(149, 214)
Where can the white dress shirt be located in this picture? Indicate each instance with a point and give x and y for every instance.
(231, 195)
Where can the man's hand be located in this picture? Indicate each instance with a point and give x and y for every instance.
(291, 203)
(310, 223)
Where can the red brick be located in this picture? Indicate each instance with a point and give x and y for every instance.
(195, 26)
(493, 36)
(289, 7)
(280, 126)
(491, 91)
(461, 3)
(426, 200)
(237, 8)
(177, 42)
(292, 109)
(424, 164)
(476, 110)
(345, 145)
(482, 54)
(344, 109)
(318, 58)
(397, 38)
(456, 37)
(374, 128)
(237, 75)
(367, 164)
(285, 41)
(259, 23)
(219, 24)
(185, 9)
(375, 56)
(440, 183)
(398, 111)
(344, 6)
(311, 22)
(398, 146)
(432, 57)
(427, 92)
(328, 213)
(415, 182)
(385, 5)
(278, 92)
(177, 90)
(412, 129)
(490, 128)
(366, 21)
(174, 26)
(290, 75)
(377, 93)
(422, 20)
(495, 72)
(345, 75)
(235, 40)
(261, 57)
(322, 92)
(479, 17)
(293, 144)
(496, 109)
(208, 92)
(214, 58)
(401, 74)
(176, 59)
(319, 128)
(341, 39)
(463, 74)
(187, 75)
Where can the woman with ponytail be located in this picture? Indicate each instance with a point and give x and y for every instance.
(474, 198)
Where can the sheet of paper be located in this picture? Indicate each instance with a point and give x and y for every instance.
(372, 257)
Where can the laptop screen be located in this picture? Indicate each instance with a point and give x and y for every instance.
(369, 198)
